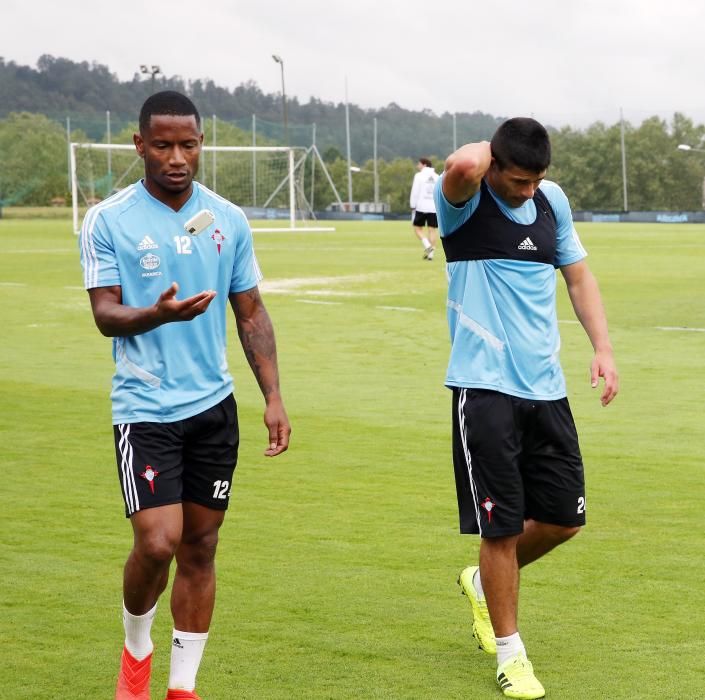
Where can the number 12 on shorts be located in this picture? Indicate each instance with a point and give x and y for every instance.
(220, 489)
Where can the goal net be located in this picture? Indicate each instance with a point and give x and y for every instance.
(266, 181)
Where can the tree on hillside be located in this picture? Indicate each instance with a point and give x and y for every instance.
(34, 166)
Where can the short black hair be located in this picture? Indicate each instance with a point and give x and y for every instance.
(523, 143)
(426, 162)
(167, 102)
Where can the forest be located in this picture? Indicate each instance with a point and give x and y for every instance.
(37, 105)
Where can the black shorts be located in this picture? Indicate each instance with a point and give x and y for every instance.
(187, 460)
(515, 459)
(421, 218)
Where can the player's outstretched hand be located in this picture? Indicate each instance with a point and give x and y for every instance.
(169, 308)
(277, 423)
(603, 365)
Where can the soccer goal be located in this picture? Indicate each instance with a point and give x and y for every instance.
(266, 181)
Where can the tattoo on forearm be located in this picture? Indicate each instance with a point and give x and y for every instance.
(257, 339)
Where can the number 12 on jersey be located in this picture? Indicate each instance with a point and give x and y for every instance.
(183, 245)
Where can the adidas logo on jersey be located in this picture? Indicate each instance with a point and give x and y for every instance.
(527, 244)
(147, 244)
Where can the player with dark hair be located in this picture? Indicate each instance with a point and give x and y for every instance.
(174, 415)
(423, 208)
(168, 103)
(518, 469)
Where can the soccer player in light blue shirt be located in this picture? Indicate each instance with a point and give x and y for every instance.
(160, 292)
(518, 468)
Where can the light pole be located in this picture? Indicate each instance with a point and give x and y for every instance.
(280, 61)
(687, 147)
(153, 71)
(375, 180)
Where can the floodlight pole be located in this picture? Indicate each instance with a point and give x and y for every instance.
(214, 145)
(153, 71)
(254, 161)
(347, 141)
(374, 161)
(108, 139)
(280, 61)
(624, 160)
(687, 147)
(68, 142)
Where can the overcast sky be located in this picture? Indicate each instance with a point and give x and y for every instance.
(562, 61)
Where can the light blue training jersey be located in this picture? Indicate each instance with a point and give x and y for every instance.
(502, 312)
(133, 240)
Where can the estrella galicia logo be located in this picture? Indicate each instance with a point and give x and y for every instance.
(150, 261)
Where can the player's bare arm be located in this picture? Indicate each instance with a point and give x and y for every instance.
(254, 328)
(464, 170)
(586, 300)
(114, 318)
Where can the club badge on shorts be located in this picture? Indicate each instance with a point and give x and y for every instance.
(488, 506)
(149, 475)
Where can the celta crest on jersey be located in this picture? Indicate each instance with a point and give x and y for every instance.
(219, 239)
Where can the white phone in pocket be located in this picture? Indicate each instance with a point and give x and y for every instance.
(200, 221)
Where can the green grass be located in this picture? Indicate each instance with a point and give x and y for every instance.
(337, 561)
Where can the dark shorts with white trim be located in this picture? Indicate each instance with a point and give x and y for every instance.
(421, 218)
(188, 460)
(515, 459)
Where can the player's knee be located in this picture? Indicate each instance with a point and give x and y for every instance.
(158, 548)
(566, 533)
(199, 552)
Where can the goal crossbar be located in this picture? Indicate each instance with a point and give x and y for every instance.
(292, 165)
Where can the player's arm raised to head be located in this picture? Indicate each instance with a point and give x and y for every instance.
(254, 328)
(114, 318)
(464, 170)
(586, 300)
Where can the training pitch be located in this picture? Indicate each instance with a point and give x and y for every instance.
(337, 561)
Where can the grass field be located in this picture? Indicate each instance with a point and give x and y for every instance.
(338, 560)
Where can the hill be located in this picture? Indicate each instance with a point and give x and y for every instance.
(60, 88)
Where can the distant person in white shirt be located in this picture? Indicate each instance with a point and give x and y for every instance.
(423, 208)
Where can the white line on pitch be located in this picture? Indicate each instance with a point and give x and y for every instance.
(680, 328)
(398, 308)
(61, 251)
(314, 301)
(12, 284)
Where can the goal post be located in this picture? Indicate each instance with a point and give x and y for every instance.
(266, 181)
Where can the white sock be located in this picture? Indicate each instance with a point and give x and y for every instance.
(477, 582)
(137, 632)
(186, 652)
(508, 647)
(425, 243)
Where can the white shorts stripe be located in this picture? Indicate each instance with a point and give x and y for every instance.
(466, 450)
(129, 487)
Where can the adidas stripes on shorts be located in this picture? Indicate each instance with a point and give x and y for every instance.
(188, 460)
(515, 459)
